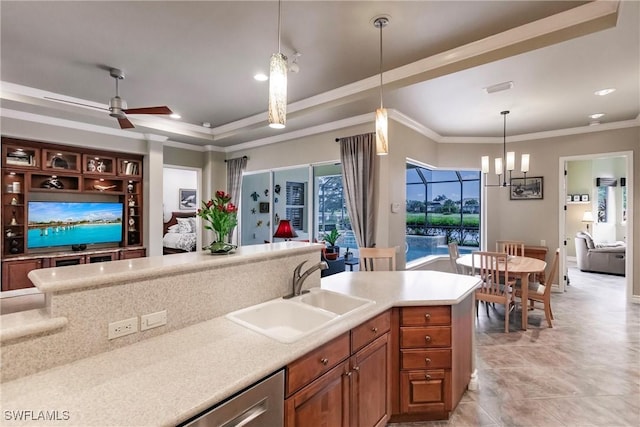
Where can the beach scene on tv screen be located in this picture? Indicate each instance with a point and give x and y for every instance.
(63, 224)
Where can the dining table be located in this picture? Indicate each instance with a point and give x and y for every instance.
(520, 266)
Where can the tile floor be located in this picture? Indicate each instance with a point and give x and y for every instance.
(585, 371)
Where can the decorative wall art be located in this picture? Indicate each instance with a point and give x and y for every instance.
(187, 199)
(584, 197)
(264, 207)
(526, 188)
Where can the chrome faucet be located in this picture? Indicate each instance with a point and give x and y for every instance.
(298, 278)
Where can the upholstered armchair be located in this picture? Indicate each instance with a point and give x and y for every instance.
(600, 258)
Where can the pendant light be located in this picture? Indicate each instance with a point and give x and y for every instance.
(382, 141)
(509, 163)
(278, 85)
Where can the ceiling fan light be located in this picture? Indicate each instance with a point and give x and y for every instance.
(382, 132)
(278, 91)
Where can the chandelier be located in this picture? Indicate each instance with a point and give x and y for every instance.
(505, 163)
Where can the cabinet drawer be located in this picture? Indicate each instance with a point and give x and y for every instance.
(310, 366)
(426, 316)
(423, 391)
(425, 359)
(370, 330)
(435, 336)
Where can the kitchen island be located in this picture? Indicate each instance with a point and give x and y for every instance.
(169, 378)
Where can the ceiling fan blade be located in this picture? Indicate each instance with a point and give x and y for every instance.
(125, 123)
(149, 110)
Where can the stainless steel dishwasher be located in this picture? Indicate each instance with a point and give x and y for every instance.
(261, 405)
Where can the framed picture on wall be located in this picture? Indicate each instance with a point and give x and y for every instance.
(526, 188)
(187, 199)
(264, 207)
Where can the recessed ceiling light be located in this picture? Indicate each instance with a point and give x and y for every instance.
(596, 115)
(594, 122)
(499, 87)
(261, 77)
(206, 124)
(603, 92)
(175, 116)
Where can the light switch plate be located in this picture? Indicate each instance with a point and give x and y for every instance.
(153, 320)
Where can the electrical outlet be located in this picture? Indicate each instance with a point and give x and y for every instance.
(543, 243)
(123, 327)
(153, 320)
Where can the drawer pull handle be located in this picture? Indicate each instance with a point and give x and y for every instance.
(427, 377)
(356, 368)
(348, 374)
(427, 316)
(324, 361)
(427, 338)
(374, 330)
(427, 360)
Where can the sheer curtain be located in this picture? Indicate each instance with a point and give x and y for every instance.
(235, 168)
(358, 158)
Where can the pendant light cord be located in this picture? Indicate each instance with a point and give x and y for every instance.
(381, 26)
(279, 6)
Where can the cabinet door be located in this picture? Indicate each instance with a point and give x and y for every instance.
(324, 402)
(371, 384)
(14, 273)
(136, 253)
(424, 391)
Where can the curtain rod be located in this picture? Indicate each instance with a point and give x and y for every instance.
(244, 157)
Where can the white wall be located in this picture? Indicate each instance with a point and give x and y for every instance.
(173, 180)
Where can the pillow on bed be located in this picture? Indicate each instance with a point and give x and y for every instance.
(184, 226)
(175, 228)
(192, 222)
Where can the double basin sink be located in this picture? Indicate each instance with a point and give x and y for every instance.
(288, 320)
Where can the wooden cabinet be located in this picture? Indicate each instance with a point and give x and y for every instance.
(133, 213)
(371, 384)
(133, 253)
(13, 212)
(60, 161)
(37, 171)
(346, 382)
(14, 273)
(432, 360)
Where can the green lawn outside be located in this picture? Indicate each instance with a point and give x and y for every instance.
(436, 219)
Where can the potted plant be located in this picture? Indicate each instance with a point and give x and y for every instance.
(220, 216)
(331, 237)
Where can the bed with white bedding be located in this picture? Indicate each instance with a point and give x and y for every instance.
(179, 233)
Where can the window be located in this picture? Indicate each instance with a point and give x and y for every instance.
(295, 204)
(330, 205)
(443, 206)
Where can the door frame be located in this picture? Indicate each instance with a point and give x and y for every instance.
(562, 194)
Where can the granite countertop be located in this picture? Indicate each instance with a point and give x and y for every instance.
(167, 379)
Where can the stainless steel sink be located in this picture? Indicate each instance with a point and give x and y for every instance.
(290, 320)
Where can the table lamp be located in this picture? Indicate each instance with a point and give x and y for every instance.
(285, 231)
(587, 218)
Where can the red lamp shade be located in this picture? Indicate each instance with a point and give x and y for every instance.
(285, 231)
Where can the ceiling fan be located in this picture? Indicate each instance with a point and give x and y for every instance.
(116, 105)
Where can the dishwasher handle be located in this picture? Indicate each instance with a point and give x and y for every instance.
(249, 415)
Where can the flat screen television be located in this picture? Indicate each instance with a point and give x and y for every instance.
(52, 224)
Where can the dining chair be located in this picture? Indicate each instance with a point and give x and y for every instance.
(510, 247)
(540, 292)
(372, 258)
(490, 267)
(454, 254)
